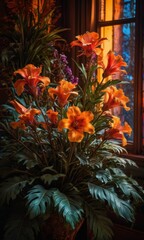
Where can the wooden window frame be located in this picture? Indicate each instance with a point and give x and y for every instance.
(136, 149)
(81, 16)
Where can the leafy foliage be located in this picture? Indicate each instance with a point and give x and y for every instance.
(21, 228)
(61, 146)
(69, 208)
(120, 207)
(38, 200)
(11, 188)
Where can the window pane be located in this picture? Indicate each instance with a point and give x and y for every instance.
(117, 9)
(121, 39)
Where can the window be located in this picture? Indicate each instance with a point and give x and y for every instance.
(121, 21)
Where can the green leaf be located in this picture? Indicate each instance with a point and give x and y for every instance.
(11, 188)
(69, 208)
(120, 207)
(104, 175)
(38, 200)
(128, 189)
(82, 69)
(100, 226)
(49, 178)
(29, 159)
(98, 223)
(20, 227)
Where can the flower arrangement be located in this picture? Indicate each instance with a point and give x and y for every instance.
(61, 144)
(62, 149)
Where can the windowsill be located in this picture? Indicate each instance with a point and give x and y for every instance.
(138, 158)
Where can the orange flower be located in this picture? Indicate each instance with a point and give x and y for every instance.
(19, 107)
(53, 116)
(114, 98)
(117, 130)
(89, 42)
(77, 122)
(31, 78)
(27, 116)
(63, 91)
(113, 65)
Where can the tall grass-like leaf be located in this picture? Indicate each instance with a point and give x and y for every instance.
(69, 208)
(11, 188)
(120, 207)
(38, 200)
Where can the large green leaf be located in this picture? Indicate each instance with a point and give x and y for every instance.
(20, 227)
(128, 189)
(68, 207)
(11, 188)
(120, 207)
(38, 200)
(100, 226)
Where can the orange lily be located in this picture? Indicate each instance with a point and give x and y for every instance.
(114, 98)
(63, 91)
(31, 78)
(77, 122)
(27, 116)
(117, 130)
(89, 42)
(113, 65)
(53, 116)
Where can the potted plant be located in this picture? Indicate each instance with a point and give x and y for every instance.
(61, 161)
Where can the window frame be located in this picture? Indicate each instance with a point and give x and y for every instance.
(137, 146)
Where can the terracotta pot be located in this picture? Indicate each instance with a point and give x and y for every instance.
(55, 228)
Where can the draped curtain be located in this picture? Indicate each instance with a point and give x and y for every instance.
(76, 16)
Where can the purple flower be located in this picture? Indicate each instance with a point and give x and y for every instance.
(63, 58)
(75, 80)
(68, 71)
